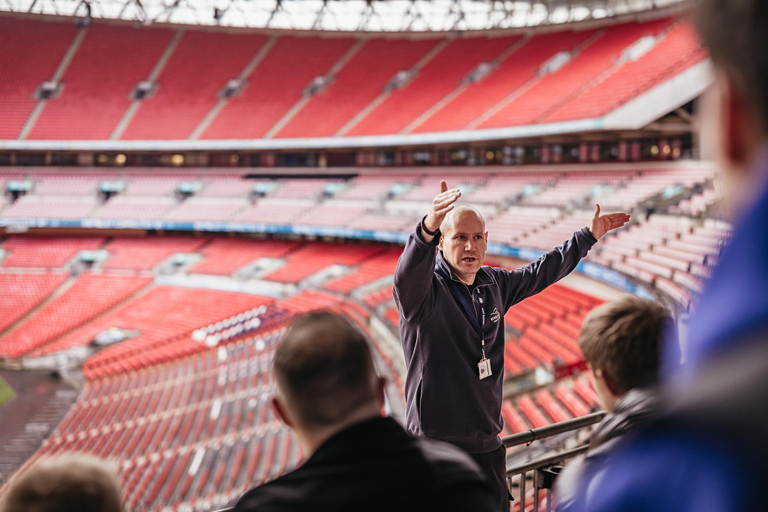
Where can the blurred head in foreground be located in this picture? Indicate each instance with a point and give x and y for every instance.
(63, 484)
(735, 109)
(326, 379)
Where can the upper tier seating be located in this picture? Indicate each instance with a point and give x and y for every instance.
(676, 51)
(598, 53)
(356, 84)
(274, 99)
(276, 85)
(97, 91)
(31, 53)
(433, 82)
(512, 73)
(197, 70)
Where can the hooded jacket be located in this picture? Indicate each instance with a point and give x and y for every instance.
(445, 398)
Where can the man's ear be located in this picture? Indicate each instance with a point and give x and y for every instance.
(381, 385)
(440, 243)
(609, 382)
(486, 237)
(279, 412)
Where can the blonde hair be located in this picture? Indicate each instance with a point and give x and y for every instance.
(65, 483)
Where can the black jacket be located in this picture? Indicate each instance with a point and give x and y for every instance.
(376, 466)
(635, 409)
(445, 397)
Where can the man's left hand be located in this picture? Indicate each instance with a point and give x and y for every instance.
(601, 224)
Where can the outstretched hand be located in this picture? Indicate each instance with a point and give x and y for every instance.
(441, 205)
(601, 224)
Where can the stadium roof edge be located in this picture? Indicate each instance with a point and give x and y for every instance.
(677, 9)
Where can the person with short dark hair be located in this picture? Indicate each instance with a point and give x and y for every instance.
(707, 450)
(622, 343)
(328, 392)
(64, 484)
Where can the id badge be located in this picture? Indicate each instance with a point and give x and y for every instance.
(484, 368)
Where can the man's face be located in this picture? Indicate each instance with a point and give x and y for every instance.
(463, 243)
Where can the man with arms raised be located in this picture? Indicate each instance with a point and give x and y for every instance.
(452, 325)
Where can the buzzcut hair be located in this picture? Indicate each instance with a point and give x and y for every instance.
(734, 32)
(64, 484)
(325, 369)
(623, 338)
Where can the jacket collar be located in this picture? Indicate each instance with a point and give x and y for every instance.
(482, 278)
(633, 410)
(355, 439)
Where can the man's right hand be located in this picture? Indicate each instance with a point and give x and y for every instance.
(441, 205)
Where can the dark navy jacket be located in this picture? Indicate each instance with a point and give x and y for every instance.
(445, 398)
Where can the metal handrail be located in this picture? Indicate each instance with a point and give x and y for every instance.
(538, 476)
(532, 435)
(547, 461)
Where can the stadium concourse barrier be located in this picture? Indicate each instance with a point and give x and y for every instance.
(543, 470)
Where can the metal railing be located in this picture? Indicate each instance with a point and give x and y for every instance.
(545, 469)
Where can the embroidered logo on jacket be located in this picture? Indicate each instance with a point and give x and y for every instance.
(495, 316)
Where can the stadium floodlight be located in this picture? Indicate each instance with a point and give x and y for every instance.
(346, 15)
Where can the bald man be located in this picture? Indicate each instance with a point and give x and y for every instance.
(452, 325)
(328, 392)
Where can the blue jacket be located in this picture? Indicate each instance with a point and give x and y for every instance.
(445, 397)
(707, 451)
